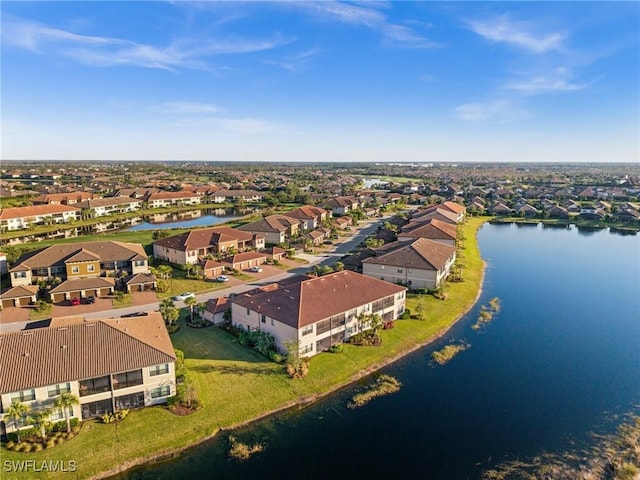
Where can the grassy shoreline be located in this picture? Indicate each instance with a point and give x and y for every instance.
(238, 386)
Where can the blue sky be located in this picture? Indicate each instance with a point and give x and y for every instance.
(321, 81)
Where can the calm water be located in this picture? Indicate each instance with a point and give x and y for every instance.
(195, 218)
(559, 361)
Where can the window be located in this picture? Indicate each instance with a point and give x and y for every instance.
(58, 414)
(59, 389)
(164, 391)
(132, 400)
(248, 312)
(19, 274)
(307, 349)
(91, 268)
(94, 385)
(75, 269)
(127, 379)
(158, 370)
(263, 319)
(400, 270)
(23, 396)
(307, 330)
(273, 323)
(139, 263)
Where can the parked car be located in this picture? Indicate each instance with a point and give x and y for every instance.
(91, 299)
(183, 296)
(222, 278)
(256, 269)
(75, 301)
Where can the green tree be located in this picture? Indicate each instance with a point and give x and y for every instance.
(15, 412)
(191, 302)
(40, 419)
(169, 311)
(65, 402)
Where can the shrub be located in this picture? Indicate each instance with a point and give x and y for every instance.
(337, 348)
(26, 447)
(299, 368)
(242, 451)
(59, 440)
(276, 357)
(38, 447)
(405, 315)
(10, 444)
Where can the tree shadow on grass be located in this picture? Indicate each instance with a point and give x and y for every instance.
(248, 369)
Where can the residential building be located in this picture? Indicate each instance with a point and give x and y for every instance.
(61, 198)
(275, 228)
(20, 218)
(310, 216)
(420, 263)
(433, 229)
(342, 205)
(83, 267)
(109, 365)
(168, 199)
(191, 247)
(317, 312)
(99, 207)
(226, 196)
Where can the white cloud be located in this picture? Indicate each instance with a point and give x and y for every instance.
(393, 34)
(522, 34)
(107, 52)
(498, 111)
(187, 108)
(427, 77)
(559, 80)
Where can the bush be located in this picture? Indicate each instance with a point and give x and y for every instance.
(276, 357)
(38, 447)
(405, 315)
(337, 348)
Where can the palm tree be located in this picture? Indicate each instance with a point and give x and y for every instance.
(65, 402)
(15, 412)
(40, 418)
(191, 302)
(169, 311)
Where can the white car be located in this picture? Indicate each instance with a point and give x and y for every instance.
(183, 296)
(222, 278)
(256, 269)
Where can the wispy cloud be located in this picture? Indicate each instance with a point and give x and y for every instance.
(559, 80)
(427, 78)
(523, 34)
(362, 15)
(106, 51)
(187, 108)
(497, 111)
(297, 61)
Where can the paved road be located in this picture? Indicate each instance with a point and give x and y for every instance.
(328, 258)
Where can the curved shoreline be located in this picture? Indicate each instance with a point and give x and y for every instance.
(302, 401)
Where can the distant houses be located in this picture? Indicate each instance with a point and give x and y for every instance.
(18, 218)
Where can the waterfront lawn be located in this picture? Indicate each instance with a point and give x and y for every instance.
(236, 384)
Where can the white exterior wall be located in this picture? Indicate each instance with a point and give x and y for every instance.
(171, 255)
(284, 333)
(42, 399)
(144, 268)
(419, 278)
(17, 281)
(252, 320)
(446, 241)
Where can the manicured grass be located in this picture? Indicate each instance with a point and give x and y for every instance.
(36, 315)
(236, 384)
(127, 301)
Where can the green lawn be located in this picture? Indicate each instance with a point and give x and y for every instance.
(237, 385)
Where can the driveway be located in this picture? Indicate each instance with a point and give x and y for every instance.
(14, 314)
(65, 309)
(143, 298)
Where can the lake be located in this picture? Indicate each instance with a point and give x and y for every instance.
(190, 219)
(559, 361)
